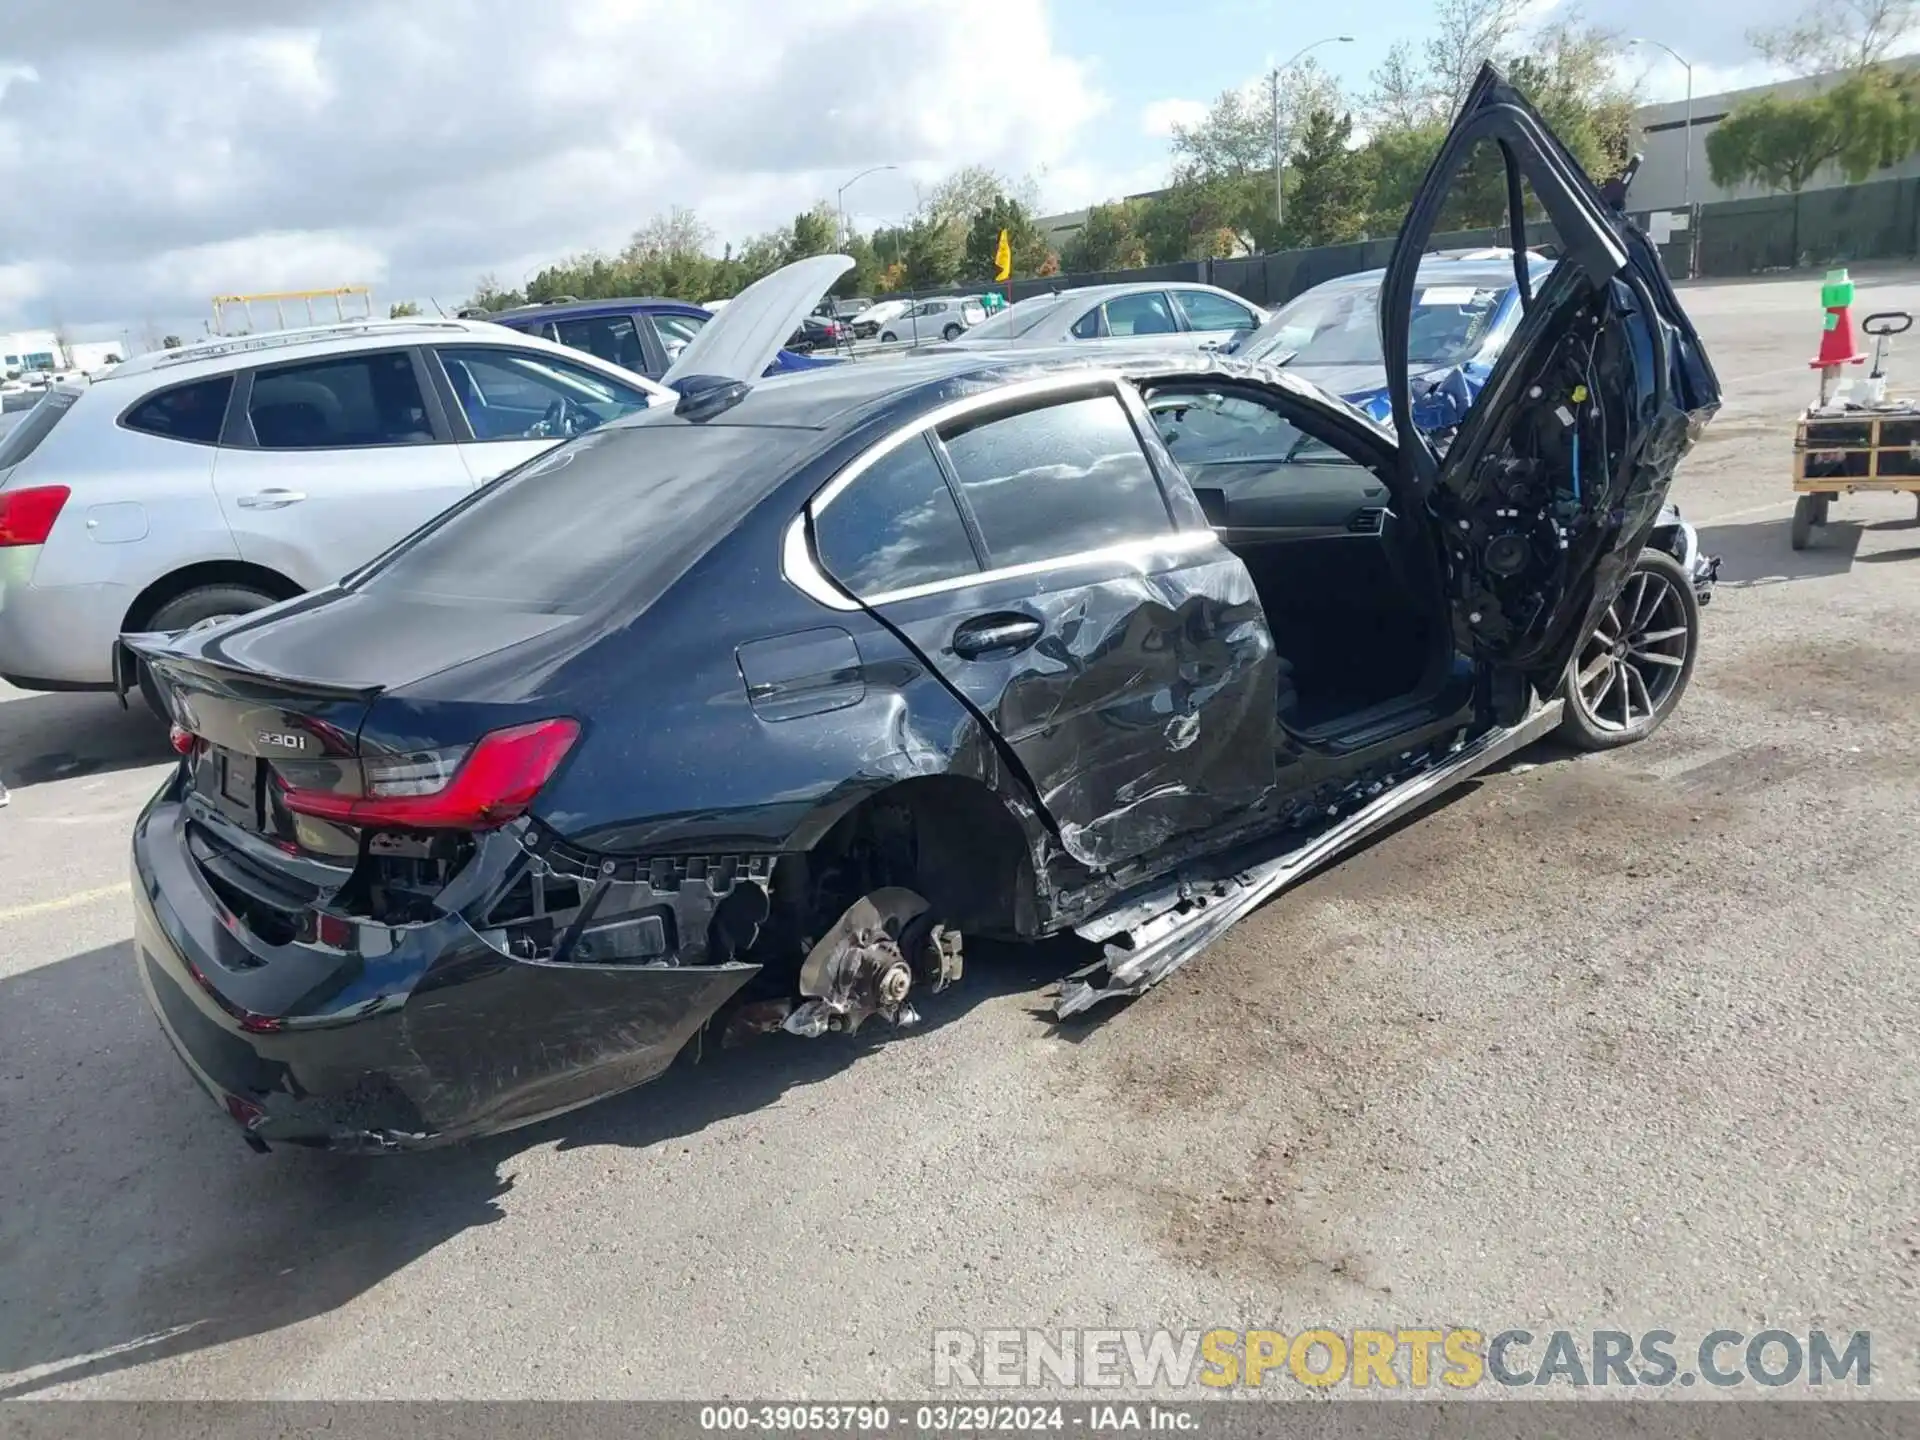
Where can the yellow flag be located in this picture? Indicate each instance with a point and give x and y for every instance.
(1002, 258)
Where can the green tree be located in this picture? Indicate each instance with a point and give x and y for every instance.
(488, 294)
(814, 232)
(932, 255)
(1332, 187)
(400, 310)
(1024, 239)
(1205, 218)
(1870, 120)
(1109, 240)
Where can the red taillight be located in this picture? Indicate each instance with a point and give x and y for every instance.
(494, 783)
(27, 516)
(181, 739)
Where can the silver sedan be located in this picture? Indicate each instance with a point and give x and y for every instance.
(1174, 314)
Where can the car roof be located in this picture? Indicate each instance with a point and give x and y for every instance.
(219, 356)
(842, 396)
(571, 309)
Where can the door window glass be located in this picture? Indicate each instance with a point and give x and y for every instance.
(341, 401)
(676, 332)
(193, 412)
(610, 337)
(1148, 314)
(1087, 327)
(895, 526)
(1207, 311)
(1058, 480)
(519, 395)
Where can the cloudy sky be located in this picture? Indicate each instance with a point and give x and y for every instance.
(154, 153)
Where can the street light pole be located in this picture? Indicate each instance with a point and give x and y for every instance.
(840, 196)
(1279, 146)
(1686, 151)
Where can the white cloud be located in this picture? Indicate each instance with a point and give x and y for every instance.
(1161, 116)
(414, 147)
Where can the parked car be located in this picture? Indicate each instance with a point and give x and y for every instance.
(866, 323)
(946, 317)
(835, 307)
(740, 714)
(1466, 307)
(1180, 316)
(819, 333)
(644, 334)
(203, 482)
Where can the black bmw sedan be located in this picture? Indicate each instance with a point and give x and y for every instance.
(745, 712)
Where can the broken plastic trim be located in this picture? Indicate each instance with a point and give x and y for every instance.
(1179, 920)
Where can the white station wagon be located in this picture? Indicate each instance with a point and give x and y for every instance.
(192, 485)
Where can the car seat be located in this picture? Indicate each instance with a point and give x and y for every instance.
(291, 425)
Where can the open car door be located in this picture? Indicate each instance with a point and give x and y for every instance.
(1549, 489)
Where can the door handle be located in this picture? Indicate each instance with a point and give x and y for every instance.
(1005, 631)
(271, 499)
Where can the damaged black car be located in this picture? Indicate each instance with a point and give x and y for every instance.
(747, 713)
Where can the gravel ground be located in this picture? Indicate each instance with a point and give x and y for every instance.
(1607, 1042)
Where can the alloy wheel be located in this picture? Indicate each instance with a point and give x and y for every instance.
(1635, 657)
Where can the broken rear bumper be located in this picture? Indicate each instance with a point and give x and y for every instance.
(414, 1036)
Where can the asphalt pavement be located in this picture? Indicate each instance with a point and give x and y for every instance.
(1614, 1042)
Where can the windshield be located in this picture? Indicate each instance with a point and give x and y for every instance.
(1017, 319)
(630, 508)
(1339, 324)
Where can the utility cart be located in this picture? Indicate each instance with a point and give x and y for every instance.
(1869, 445)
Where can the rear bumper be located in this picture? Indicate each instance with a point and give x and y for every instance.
(414, 1036)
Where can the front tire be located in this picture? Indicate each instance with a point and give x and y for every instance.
(196, 609)
(1632, 670)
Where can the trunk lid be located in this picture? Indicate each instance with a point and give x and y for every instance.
(278, 702)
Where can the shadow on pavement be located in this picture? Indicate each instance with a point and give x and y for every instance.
(135, 1225)
(1762, 553)
(55, 737)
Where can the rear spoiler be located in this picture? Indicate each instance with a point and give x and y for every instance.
(157, 647)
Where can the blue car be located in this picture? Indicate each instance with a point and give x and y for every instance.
(644, 334)
(1465, 308)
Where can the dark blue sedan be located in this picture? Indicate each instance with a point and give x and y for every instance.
(644, 333)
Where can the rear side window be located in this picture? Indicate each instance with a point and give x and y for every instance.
(348, 400)
(25, 438)
(895, 526)
(1087, 327)
(611, 337)
(1207, 311)
(192, 412)
(1148, 314)
(1058, 480)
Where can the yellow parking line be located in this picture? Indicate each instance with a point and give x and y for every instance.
(65, 902)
